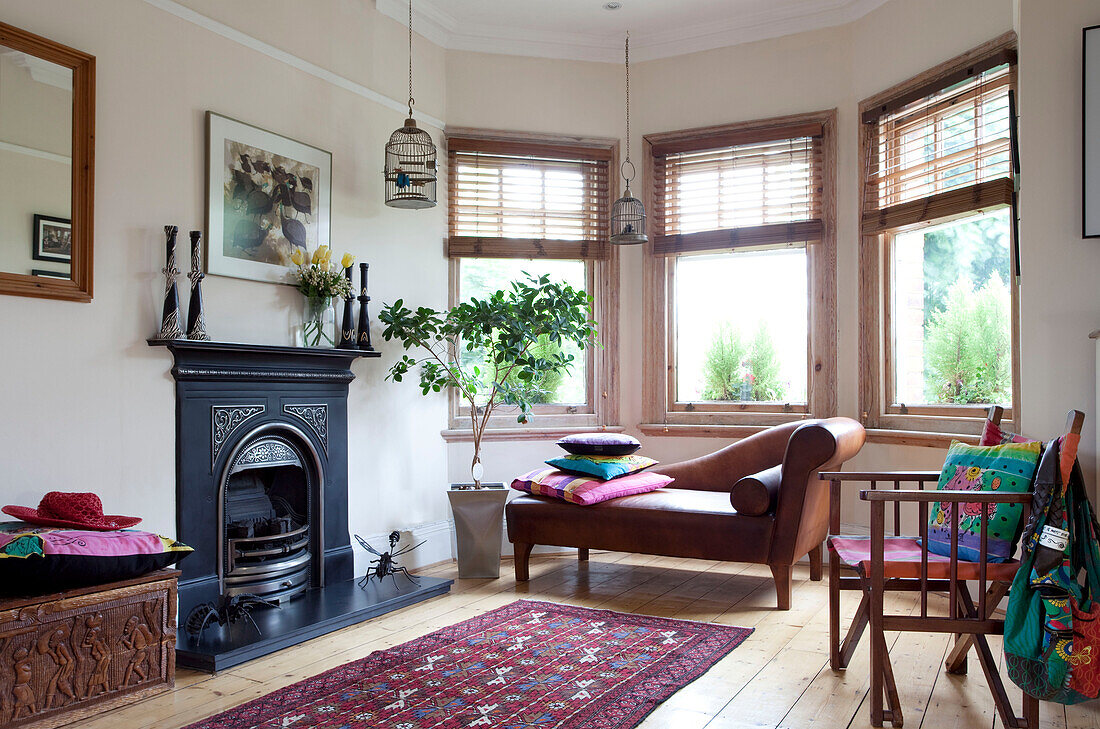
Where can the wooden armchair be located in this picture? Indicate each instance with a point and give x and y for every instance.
(880, 563)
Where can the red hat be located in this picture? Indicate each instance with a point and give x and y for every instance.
(61, 508)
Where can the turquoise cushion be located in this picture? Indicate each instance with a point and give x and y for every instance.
(605, 467)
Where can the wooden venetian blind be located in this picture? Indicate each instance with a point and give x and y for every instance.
(945, 153)
(520, 200)
(747, 188)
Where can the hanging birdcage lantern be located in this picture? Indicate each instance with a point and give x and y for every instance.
(628, 212)
(410, 158)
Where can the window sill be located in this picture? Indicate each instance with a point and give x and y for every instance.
(917, 438)
(463, 435)
(682, 430)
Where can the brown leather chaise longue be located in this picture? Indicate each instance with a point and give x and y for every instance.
(758, 500)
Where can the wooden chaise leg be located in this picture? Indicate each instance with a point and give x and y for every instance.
(522, 555)
(781, 573)
(816, 563)
(582, 554)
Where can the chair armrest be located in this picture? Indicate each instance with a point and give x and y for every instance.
(757, 494)
(949, 497)
(919, 476)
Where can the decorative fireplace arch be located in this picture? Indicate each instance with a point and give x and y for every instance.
(280, 554)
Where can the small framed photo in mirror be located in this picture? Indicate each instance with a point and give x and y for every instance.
(53, 239)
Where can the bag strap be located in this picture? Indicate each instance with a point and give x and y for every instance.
(1084, 534)
(1046, 487)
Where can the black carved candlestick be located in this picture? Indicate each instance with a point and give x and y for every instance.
(170, 318)
(347, 325)
(364, 319)
(196, 317)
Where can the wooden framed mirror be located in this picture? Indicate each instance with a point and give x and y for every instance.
(47, 151)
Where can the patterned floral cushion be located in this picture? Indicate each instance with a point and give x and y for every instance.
(36, 559)
(586, 490)
(605, 467)
(1007, 468)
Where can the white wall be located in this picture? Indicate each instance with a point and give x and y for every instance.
(87, 404)
(1060, 298)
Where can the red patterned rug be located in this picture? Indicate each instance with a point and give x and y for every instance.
(523, 666)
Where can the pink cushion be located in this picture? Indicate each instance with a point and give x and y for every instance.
(587, 490)
(901, 559)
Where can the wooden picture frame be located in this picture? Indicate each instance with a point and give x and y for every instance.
(79, 286)
(266, 195)
(49, 274)
(51, 238)
(1090, 132)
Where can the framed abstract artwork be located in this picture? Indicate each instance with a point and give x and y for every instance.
(1090, 138)
(267, 196)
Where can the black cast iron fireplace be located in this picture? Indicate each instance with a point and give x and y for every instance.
(262, 496)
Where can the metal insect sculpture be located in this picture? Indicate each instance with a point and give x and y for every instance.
(227, 611)
(386, 564)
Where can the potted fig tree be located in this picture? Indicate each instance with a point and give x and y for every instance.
(508, 331)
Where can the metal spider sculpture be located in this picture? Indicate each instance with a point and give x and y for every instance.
(226, 611)
(386, 564)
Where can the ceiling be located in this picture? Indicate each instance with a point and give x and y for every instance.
(584, 30)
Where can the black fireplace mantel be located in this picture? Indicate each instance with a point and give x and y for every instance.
(228, 361)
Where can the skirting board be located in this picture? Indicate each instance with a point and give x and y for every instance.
(439, 545)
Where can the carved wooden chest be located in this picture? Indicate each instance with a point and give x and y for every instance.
(78, 653)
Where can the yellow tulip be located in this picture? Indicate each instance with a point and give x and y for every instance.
(347, 260)
(297, 258)
(326, 260)
(320, 254)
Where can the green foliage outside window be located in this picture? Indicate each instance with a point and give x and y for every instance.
(740, 369)
(968, 357)
(967, 312)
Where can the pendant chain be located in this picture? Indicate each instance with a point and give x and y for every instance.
(628, 96)
(411, 100)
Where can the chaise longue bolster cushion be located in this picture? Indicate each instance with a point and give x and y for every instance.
(671, 522)
(757, 494)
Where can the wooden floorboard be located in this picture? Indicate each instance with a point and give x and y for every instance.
(779, 677)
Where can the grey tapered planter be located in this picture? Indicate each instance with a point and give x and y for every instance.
(479, 520)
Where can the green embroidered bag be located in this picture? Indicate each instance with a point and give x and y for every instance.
(1052, 635)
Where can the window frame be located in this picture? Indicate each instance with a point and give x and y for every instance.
(922, 424)
(601, 411)
(661, 411)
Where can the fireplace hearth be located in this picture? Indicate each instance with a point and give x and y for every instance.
(262, 497)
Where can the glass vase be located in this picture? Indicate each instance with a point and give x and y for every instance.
(318, 323)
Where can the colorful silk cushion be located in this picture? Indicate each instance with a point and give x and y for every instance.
(605, 467)
(600, 444)
(586, 490)
(1006, 468)
(993, 435)
(37, 559)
